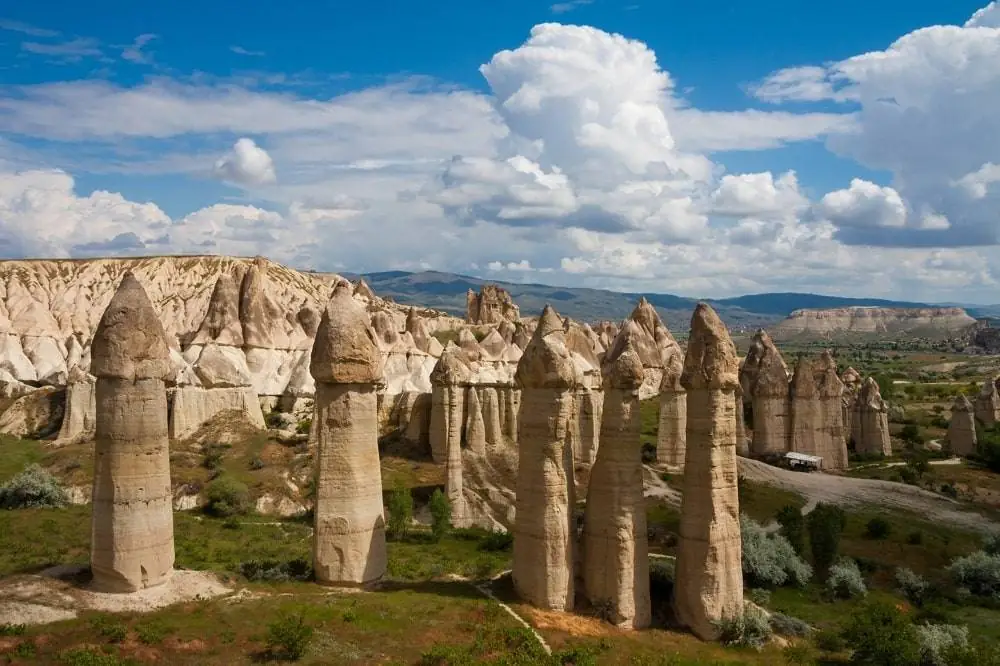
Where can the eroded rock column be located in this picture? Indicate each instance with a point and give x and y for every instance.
(709, 578)
(544, 531)
(872, 421)
(349, 542)
(830, 390)
(132, 537)
(447, 403)
(962, 429)
(475, 425)
(671, 436)
(590, 408)
(615, 553)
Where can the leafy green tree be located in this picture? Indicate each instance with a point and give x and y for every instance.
(793, 527)
(825, 524)
(440, 515)
(400, 512)
(880, 635)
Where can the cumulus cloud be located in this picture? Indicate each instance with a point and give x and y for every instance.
(977, 184)
(758, 195)
(246, 164)
(863, 204)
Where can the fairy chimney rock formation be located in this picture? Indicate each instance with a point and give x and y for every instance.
(132, 539)
(671, 436)
(448, 378)
(709, 574)
(349, 540)
(830, 431)
(770, 397)
(544, 532)
(221, 324)
(475, 425)
(615, 554)
(491, 305)
(988, 403)
(362, 290)
(962, 429)
(870, 421)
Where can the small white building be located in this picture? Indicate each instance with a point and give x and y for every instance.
(803, 461)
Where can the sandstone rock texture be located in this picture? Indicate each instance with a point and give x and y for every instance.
(709, 577)
(475, 425)
(615, 554)
(491, 305)
(988, 403)
(817, 411)
(590, 410)
(962, 429)
(870, 422)
(80, 412)
(671, 437)
(544, 532)
(349, 541)
(132, 540)
(447, 405)
(912, 321)
(764, 378)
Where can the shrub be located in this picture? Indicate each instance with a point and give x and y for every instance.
(109, 628)
(749, 629)
(825, 524)
(845, 581)
(910, 434)
(760, 597)
(937, 641)
(648, 453)
(950, 490)
(912, 586)
(991, 545)
(400, 512)
(828, 640)
(289, 637)
(32, 488)
(151, 633)
(304, 426)
(440, 509)
(257, 463)
(212, 456)
(769, 559)
(497, 541)
(793, 627)
(275, 571)
(12, 629)
(225, 497)
(880, 634)
(878, 528)
(979, 573)
(793, 527)
(274, 420)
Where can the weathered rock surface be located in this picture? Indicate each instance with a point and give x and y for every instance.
(349, 542)
(988, 403)
(132, 541)
(870, 422)
(475, 426)
(447, 405)
(671, 437)
(817, 411)
(544, 532)
(709, 574)
(962, 429)
(80, 412)
(615, 555)
(912, 321)
(491, 305)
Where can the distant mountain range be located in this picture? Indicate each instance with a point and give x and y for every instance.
(446, 291)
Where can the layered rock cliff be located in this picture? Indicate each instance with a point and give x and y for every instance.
(923, 322)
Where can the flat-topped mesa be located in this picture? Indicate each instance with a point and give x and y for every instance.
(221, 324)
(988, 403)
(615, 554)
(671, 437)
(870, 421)
(770, 399)
(491, 305)
(349, 541)
(544, 532)
(132, 538)
(709, 576)
(962, 439)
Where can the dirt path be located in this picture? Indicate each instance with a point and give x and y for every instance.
(849, 491)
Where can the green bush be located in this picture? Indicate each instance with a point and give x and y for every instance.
(496, 541)
(304, 427)
(289, 637)
(792, 627)
(769, 559)
(750, 629)
(225, 497)
(400, 512)
(938, 641)
(440, 509)
(32, 488)
(991, 545)
(88, 657)
(845, 581)
(912, 586)
(12, 629)
(880, 635)
(828, 640)
(110, 628)
(793, 527)
(275, 571)
(979, 573)
(878, 529)
(825, 524)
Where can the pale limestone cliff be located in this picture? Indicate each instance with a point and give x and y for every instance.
(872, 320)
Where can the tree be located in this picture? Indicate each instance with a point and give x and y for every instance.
(880, 635)
(825, 524)
(400, 512)
(440, 515)
(793, 527)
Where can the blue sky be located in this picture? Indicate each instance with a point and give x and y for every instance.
(613, 143)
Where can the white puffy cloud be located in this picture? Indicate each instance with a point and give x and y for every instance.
(758, 195)
(924, 114)
(246, 164)
(863, 204)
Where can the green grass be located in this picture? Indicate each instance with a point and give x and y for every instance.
(762, 502)
(649, 414)
(17, 454)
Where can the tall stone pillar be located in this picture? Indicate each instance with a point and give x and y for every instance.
(830, 431)
(671, 436)
(349, 540)
(447, 405)
(615, 553)
(872, 421)
(475, 426)
(492, 416)
(988, 403)
(709, 579)
(132, 537)
(962, 429)
(590, 407)
(544, 531)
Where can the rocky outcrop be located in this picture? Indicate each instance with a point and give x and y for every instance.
(929, 322)
(544, 532)
(851, 379)
(349, 542)
(132, 540)
(448, 378)
(475, 426)
(962, 429)
(491, 305)
(615, 557)
(35, 414)
(988, 403)
(589, 408)
(671, 437)
(492, 417)
(817, 411)
(870, 422)
(709, 578)
(765, 377)
(80, 411)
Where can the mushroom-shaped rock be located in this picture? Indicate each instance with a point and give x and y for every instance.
(416, 327)
(615, 554)
(709, 560)
(870, 421)
(671, 437)
(222, 319)
(132, 540)
(349, 541)
(475, 425)
(544, 530)
(962, 429)
(448, 378)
